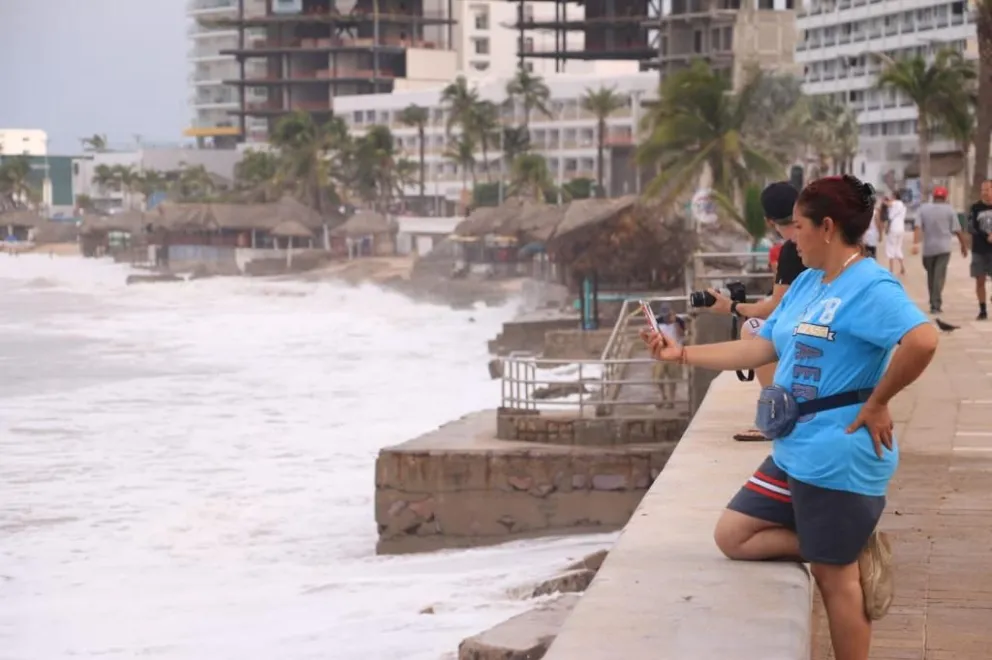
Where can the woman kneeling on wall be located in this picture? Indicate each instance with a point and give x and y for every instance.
(819, 496)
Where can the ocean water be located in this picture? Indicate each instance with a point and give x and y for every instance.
(186, 470)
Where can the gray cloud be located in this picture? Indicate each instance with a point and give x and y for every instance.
(78, 67)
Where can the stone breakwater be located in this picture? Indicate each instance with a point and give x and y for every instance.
(460, 485)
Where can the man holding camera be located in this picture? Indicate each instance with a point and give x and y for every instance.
(777, 200)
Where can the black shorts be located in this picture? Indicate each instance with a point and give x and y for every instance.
(833, 526)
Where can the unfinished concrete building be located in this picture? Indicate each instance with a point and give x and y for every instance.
(589, 30)
(730, 35)
(316, 50)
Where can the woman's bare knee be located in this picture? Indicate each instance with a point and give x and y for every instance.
(733, 530)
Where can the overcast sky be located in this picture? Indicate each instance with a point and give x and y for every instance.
(78, 67)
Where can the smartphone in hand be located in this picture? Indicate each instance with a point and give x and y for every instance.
(649, 315)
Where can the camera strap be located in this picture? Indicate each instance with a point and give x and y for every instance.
(743, 376)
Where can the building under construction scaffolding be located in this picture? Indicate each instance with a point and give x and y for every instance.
(315, 50)
(611, 30)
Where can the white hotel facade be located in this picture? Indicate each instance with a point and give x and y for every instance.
(838, 40)
(567, 139)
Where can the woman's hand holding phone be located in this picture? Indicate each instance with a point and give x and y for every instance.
(662, 347)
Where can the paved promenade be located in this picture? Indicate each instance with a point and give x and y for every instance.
(940, 505)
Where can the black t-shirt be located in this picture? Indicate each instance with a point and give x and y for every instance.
(790, 266)
(980, 226)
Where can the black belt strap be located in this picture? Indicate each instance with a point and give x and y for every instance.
(841, 400)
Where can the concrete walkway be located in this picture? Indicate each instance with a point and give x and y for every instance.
(940, 504)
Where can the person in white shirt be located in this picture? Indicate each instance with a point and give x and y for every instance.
(870, 238)
(895, 232)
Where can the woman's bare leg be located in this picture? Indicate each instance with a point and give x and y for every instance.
(746, 538)
(844, 601)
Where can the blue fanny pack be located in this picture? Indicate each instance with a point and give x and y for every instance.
(778, 411)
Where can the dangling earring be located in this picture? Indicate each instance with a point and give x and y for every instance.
(826, 239)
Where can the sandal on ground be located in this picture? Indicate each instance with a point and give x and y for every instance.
(751, 435)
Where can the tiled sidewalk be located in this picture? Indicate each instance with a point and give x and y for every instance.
(939, 512)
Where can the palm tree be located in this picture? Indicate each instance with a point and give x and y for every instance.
(698, 125)
(15, 182)
(192, 183)
(125, 177)
(531, 92)
(939, 89)
(147, 183)
(983, 126)
(95, 142)
(601, 103)
(484, 124)
(257, 175)
(105, 178)
(377, 167)
(461, 152)
(530, 177)
(307, 150)
(417, 116)
(831, 130)
(459, 100)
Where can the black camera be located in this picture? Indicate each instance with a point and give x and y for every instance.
(736, 291)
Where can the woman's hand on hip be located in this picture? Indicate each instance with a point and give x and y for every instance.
(662, 347)
(876, 418)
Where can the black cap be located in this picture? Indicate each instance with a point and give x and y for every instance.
(777, 200)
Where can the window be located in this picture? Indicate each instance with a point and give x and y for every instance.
(528, 13)
(479, 66)
(766, 4)
(529, 67)
(715, 42)
(528, 44)
(482, 46)
(697, 41)
(482, 19)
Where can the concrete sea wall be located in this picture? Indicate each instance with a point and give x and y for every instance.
(459, 485)
(665, 591)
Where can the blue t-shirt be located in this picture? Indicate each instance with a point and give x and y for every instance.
(832, 338)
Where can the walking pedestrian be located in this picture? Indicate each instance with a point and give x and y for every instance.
(935, 224)
(980, 227)
(895, 232)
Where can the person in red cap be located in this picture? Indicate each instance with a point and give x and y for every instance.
(936, 223)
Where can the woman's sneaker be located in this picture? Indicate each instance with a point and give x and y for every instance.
(877, 579)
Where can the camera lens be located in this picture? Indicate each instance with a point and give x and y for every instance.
(696, 299)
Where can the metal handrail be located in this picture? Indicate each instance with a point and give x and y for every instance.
(520, 382)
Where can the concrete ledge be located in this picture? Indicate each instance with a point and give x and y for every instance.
(459, 486)
(665, 591)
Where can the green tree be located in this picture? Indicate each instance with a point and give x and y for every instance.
(530, 177)
(484, 126)
(459, 101)
(379, 175)
(939, 89)
(602, 103)
(257, 175)
(461, 152)
(95, 143)
(983, 120)
(312, 155)
(417, 117)
(699, 124)
(531, 92)
(754, 214)
(16, 186)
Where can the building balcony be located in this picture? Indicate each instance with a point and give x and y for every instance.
(332, 17)
(205, 7)
(317, 77)
(278, 107)
(266, 47)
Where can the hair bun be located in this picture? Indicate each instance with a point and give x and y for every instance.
(864, 189)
